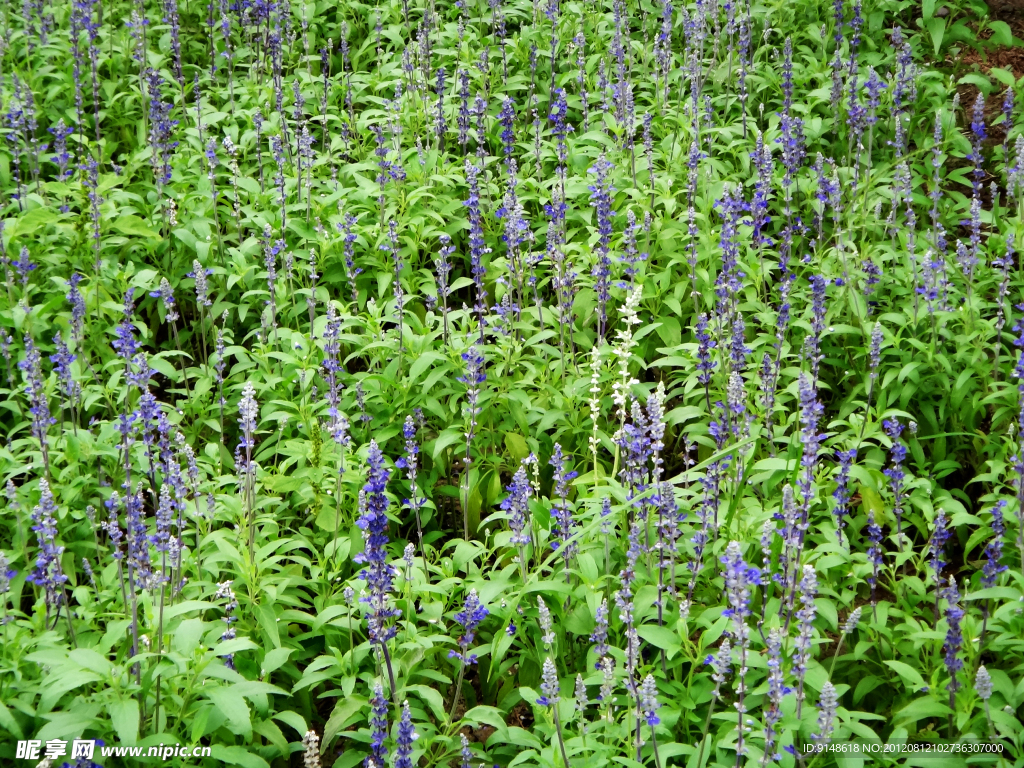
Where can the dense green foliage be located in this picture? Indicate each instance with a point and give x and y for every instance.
(611, 383)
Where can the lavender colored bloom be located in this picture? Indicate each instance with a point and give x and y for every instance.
(506, 118)
(740, 579)
(549, 684)
(729, 280)
(166, 294)
(337, 421)
(601, 200)
(811, 411)
(777, 690)
(39, 404)
(898, 453)
(440, 124)
(606, 515)
(161, 129)
(462, 120)
(1008, 104)
(842, 493)
(48, 573)
(561, 511)
(954, 637)
(875, 350)
(477, 245)
(720, 665)
(547, 624)
(408, 463)
(762, 157)
(936, 545)
(378, 729)
(348, 239)
(983, 684)
(805, 620)
(600, 634)
(472, 378)
(202, 286)
(225, 592)
(516, 506)
(705, 365)
(818, 287)
(875, 555)
(560, 127)
(580, 694)
(904, 91)
(444, 266)
(994, 549)
(6, 574)
(649, 701)
(23, 266)
(77, 302)
(635, 443)
(61, 156)
(406, 736)
(379, 574)
(874, 87)
(827, 705)
(470, 617)
(852, 621)
(62, 360)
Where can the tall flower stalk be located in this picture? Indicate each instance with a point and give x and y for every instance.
(379, 574)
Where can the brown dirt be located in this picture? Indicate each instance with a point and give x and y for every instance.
(1000, 9)
(1003, 57)
(520, 716)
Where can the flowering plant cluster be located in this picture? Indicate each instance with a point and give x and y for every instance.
(511, 383)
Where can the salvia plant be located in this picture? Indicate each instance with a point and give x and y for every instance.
(511, 383)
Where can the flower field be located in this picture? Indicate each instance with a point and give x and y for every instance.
(551, 383)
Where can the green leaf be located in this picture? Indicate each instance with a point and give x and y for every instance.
(124, 716)
(187, 636)
(234, 755)
(919, 710)
(8, 722)
(430, 696)
(450, 436)
(422, 363)
(996, 593)
(145, 278)
(660, 637)
(29, 222)
(189, 605)
(580, 621)
(293, 719)
(275, 658)
(936, 29)
(983, 84)
(910, 675)
(670, 332)
(1003, 76)
(87, 658)
(486, 715)
(1001, 33)
(871, 500)
(134, 227)
(517, 446)
(232, 705)
(234, 646)
(343, 712)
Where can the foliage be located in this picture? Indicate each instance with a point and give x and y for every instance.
(529, 384)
